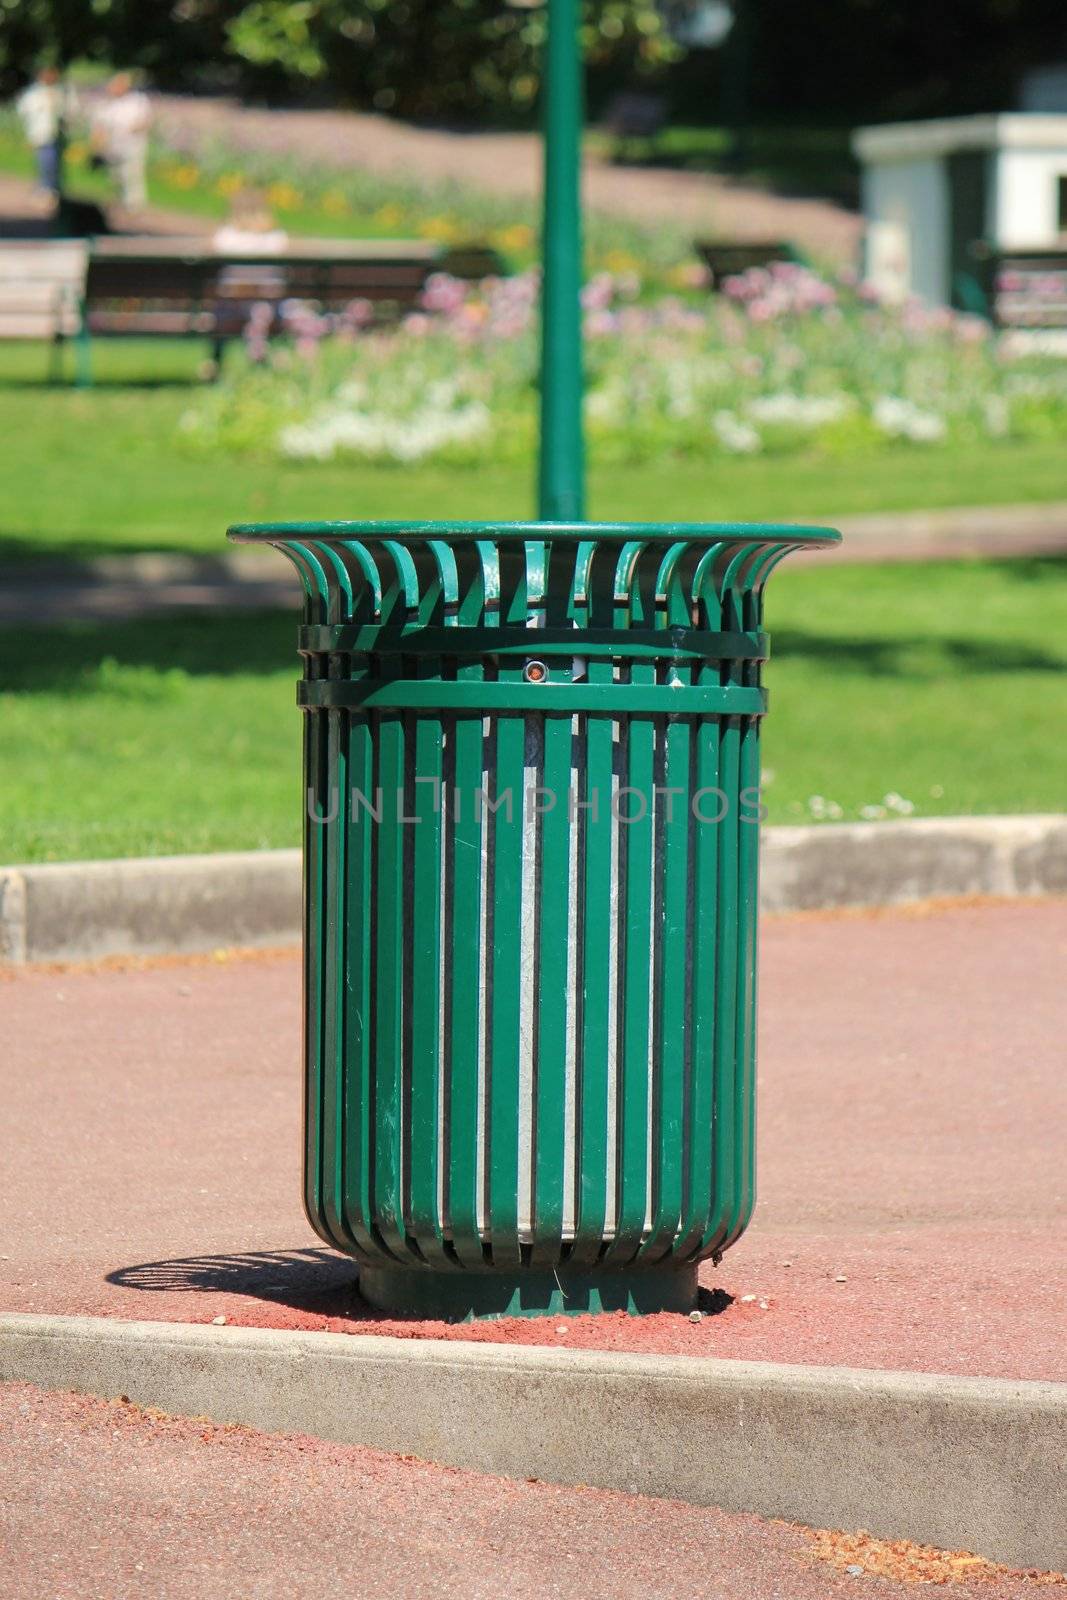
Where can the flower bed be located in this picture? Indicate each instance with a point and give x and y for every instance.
(784, 361)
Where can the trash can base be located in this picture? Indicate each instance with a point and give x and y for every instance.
(461, 1296)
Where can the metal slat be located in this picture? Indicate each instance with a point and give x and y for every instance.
(595, 1045)
(635, 942)
(464, 930)
(747, 934)
(333, 976)
(423, 1033)
(553, 999)
(504, 913)
(670, 1035)
(358, 1008)
(512, 694)
(702, 1002)
(388, 991)
(317, 770)
(726, 1109)
(417, 639)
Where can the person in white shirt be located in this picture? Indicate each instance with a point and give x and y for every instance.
(44, 109)
(120, 135)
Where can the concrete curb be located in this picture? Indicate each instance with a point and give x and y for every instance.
(971, 1463)
(892, 863)
(86, 910)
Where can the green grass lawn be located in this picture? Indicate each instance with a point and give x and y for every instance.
(944, 683)
(106, 470)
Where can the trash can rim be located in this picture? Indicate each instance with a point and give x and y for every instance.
(523, 532)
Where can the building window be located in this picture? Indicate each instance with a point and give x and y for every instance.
(1061, 202)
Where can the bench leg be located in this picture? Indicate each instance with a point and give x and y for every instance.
(55, 359)
(83, 364)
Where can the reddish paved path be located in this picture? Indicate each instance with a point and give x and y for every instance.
(911, 1126)
(101, 1501)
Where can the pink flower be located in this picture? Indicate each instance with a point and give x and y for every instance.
(443, 293)
(599, 292)
(358, 313)
(598, 324)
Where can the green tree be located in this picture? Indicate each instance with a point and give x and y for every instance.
(433, 57)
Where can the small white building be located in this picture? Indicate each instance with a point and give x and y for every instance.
(931, 190)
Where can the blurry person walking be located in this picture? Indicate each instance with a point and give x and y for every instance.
(44, 109)
(120, 134)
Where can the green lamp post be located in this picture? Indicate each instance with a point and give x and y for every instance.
(561, 487)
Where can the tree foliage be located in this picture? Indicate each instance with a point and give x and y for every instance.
(826, 59)
(413, 57)
(434, 57)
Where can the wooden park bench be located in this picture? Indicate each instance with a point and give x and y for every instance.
(138, 287)
(727, 258)
(41, 288)
(1021, 290)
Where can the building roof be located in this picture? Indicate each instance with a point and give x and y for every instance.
(1012, 130)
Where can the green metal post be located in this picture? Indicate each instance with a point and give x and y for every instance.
(561, 488)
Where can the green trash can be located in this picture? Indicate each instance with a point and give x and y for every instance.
(531, 757)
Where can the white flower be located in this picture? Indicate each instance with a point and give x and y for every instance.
(379, 436)
(903, 420)
(797, 410)
(997, 415)
(896, 802)
(872, 813)
(608, 402)
(824, 810)
(352, 393)
(734, 434)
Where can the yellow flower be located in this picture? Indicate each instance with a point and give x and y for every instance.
(390, 215)
(442, 229)
(519, 236)
(283, 197)
(77, 152)
(229, 184)
(184, 177)
(334, 203)
(621, 261)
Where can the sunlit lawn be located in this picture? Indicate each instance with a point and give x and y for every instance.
(107, 469)
(943, 684)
